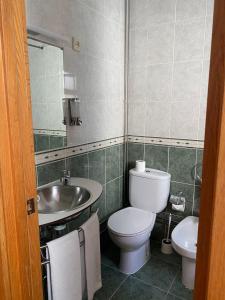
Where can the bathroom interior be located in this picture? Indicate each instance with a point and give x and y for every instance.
(118, 92)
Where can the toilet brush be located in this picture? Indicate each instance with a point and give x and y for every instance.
(166, 246)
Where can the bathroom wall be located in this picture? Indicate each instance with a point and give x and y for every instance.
(168, 67)
(169, 52)
(99, 71)
(98, 67)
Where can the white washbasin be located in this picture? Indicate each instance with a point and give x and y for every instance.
(94, 189)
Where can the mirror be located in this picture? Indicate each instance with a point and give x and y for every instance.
(47, 92)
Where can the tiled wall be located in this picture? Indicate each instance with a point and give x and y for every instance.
(179, 162)
(46, 78)
(98, 67)
(168, 67)
(46, 142)
(105, 166)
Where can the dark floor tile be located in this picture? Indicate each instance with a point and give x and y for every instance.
(134, 289)
(179, 290)
(172, 297)
(158, 273)
(111, 256)
(172, 258)
(111, 280)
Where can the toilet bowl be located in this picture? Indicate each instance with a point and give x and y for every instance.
(130, 230)
(184, 241)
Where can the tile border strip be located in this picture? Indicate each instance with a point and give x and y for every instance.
(165, 141)
(54, 155)
(50, 132)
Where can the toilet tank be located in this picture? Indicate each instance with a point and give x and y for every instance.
(149, 190)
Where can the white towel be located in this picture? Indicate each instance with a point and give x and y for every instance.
(92, 255)
(65, 265)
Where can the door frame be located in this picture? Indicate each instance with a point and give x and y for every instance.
(210, 279)
(19, 234)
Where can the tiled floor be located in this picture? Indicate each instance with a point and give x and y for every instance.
(159, 279)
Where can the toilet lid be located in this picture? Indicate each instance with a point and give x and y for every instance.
(131, 220)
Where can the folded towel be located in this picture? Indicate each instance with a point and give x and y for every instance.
(92, 255)
(65, 268)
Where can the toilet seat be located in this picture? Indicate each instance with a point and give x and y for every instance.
(131, 221)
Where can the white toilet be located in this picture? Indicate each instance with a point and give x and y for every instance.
(184, 241)
(130, 228)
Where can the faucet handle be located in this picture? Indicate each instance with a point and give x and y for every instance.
(66, 173)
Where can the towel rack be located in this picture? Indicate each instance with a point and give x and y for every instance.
(46, 260)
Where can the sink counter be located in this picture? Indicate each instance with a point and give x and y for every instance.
(92, 186)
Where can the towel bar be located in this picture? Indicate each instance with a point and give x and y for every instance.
(45, 259)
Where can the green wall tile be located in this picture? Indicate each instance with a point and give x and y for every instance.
(196, 206)
(112, 196)
(78, 166)
(101, 205)
(135, 152)
(112, 162)
(181, 163)
(122, 159)
(50, 172)
(97, 166)
(156, 157)
(122, 192)
(56, 142)
(42, 142)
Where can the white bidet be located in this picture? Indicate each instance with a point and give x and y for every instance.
(184, 242)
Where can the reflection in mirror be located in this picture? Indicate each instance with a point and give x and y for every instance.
(47, 91)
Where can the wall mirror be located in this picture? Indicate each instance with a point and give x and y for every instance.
(47, 92)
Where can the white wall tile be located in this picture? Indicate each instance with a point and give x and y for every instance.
(184, 120)
(189, 41)
(191, 9)
(136, 118)
(187, 80)
(161, 11)
(159, 82)
(160, 43)
(208, 38)
(137, 85)
(158, 119)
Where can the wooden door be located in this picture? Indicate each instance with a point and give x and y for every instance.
(20, 269)
(210, 272)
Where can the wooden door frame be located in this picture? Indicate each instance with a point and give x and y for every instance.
(210, 278)
(19, 233)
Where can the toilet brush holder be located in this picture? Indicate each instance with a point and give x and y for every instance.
(166, 246)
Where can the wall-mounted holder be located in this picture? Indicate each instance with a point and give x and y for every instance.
(71, 108)
(178, 202)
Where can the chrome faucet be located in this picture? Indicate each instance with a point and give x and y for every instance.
(66, 177)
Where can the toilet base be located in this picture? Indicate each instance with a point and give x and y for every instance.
(132, 261)
(188, 272)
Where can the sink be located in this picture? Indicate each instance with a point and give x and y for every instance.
(58, 202)
(61, 198)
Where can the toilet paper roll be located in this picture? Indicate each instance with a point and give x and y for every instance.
(140, 165)
(178, 207)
